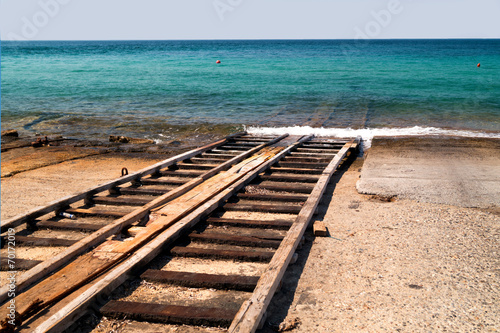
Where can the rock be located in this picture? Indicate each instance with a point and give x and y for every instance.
(140, 141)
(10, 132)
(40, 142)
(289, 324)
(125, 139)
(117, 138)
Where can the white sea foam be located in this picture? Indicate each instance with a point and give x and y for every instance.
(367, 134)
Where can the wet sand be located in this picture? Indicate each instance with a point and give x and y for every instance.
(391, 262)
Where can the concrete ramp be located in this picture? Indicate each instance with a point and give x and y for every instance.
(448, 170)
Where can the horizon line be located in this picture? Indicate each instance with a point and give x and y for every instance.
(254, 39)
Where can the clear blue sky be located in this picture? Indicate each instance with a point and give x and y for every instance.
(247, 19)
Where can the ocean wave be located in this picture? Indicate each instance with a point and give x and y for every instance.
(367, 134)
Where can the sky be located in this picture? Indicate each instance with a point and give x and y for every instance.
(247, 19)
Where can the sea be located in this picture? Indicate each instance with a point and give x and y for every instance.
(165, 89)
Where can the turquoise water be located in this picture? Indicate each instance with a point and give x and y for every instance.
(158, 88)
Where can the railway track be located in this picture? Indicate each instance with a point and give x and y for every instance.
(116, 203)
(239, 201)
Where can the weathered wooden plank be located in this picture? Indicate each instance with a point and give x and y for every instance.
(336, 146)
(241, 143)
(144, 190)
(57, 225)
(20, 264)
(274, 224)
(221, 156)
(307, 165)
(259, 233)
(334, 142)
(120, 201)
(277, 209)
(96, 212)
(66, 201)
(39, 241)
(196, 166)
(297, 170)
(207, 160)
(301, 159)
(273, 197)
(220, 238)
(321, 145)
(237, 141)
(253, 138)
(183, 173)
(252, 310)
(232, 147)
(165, 313)
(202, 280)
(195, 252)
(227, 151)
(286, 187)
(290, 178)
(319, 229)
(324, 155)
(164, 181)
(317, 151)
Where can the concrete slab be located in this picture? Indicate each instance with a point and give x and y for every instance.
(449, 170)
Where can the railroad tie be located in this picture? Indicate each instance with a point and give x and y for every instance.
(21, 264)
(271, 224)
(278, 209)
(194, 252)
(67, 226)
(220, 238)
(286, 187)
(39, 241)
(201, 280)
(165, 313)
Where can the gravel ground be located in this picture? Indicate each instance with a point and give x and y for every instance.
(399, 266)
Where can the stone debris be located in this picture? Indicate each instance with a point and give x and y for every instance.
(125, 139)
(289, 324)
(11, 133)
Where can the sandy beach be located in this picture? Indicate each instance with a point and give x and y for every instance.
(414, 232)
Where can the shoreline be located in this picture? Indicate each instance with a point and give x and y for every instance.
(188, 131)
(20, 159)
(404, 264)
